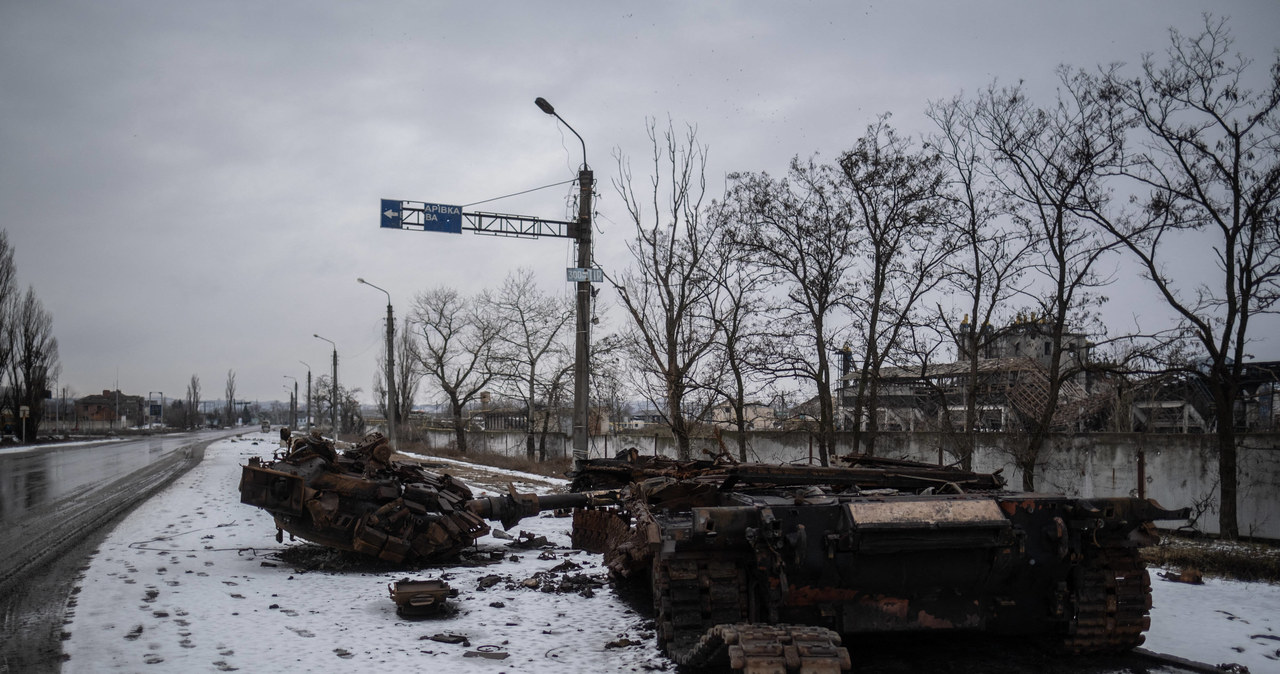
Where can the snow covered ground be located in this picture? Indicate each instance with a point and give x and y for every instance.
(18, 449)
(190, 581)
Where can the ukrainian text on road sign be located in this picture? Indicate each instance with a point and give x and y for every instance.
(421, 216)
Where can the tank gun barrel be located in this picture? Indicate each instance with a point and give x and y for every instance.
(513, 506)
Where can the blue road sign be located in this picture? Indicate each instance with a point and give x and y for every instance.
(421, 216)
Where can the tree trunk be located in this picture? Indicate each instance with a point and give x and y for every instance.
(1228, 477)
(459, 429)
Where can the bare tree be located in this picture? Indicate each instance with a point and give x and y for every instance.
(8, 299)
(1206, 163)
(739, 319)
(230, 391)
(33, 364)
(609, 382)
(527, 353)
(990, 260)
(191, 417)
(894, 191)
(454, 347)
(669, 289)
(1047, 160)
(800, 230)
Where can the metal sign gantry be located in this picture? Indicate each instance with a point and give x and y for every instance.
(421, 216)
(424, 216)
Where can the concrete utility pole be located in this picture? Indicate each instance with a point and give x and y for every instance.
(293, 403)
(333, 402)
(392, 401)
(582, 345)
(308, 395)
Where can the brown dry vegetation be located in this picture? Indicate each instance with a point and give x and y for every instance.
(1239, 560)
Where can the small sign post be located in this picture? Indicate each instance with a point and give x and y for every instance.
(580, 274)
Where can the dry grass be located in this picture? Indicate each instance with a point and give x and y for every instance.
(1238, 560)
(550, 468)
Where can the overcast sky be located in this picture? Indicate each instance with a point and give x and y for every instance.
(193, 187)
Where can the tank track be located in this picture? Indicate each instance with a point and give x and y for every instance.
(701, 609)
(1112, 596)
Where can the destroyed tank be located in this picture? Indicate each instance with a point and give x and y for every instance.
(365, 501)
(770, 568)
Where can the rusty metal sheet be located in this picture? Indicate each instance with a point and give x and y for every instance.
(933, 513)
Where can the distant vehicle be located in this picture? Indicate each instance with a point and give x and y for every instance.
(266, 427)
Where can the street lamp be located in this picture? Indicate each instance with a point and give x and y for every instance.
(293, 402)
(333, 402)
(392, 401)
(582, 347)
(308, 395)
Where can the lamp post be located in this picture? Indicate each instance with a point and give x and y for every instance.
(293, 402)
(333, 402)
(392, 401)
(582, 346)
(308, 395)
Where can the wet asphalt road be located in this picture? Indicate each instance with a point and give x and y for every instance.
(56, 505)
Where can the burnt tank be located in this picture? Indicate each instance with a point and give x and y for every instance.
(769, 568)
(364, 500)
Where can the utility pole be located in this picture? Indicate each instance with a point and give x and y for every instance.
(308, 396)
(392, 401)
(582, 343)
(333, 402)
(582, 346)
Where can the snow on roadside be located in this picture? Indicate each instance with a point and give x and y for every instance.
(531, 477)
(187, 582)
(18, 449)
(1222, 621)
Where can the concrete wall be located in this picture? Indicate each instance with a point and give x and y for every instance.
(1178, 470)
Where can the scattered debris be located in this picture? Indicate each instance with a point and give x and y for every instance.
(488, 651)
(529, 541)
(488, 581)
(1190, 576)
(418, 598)
(446, 638)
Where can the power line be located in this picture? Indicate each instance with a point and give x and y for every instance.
(516, 194)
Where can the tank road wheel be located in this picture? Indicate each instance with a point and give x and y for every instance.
(1112, 595)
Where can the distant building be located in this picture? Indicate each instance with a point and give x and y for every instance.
(112, 409)
(758, 416)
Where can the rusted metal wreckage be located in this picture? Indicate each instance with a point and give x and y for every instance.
(365, 501)
(768, 566)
